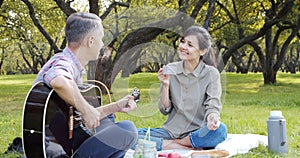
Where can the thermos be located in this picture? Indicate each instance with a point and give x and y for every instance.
(277, 138)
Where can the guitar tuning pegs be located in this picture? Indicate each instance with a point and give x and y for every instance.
(136, 94)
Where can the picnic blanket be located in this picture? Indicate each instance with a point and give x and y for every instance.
(234, 144)
(242, 143)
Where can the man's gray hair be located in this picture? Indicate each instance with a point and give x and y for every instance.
(78, 25)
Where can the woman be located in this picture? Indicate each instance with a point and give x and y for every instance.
(190, 96)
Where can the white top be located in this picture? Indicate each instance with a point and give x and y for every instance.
(276, 113)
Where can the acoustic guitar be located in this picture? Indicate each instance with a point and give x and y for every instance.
(46, 116)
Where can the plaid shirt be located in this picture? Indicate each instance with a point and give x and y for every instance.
(61, 64)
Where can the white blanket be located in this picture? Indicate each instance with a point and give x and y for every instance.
(234, 144)
(242, 143)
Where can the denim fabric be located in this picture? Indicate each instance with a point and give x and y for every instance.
(156, 134)
(111, 140)
(201, 138)
(205, 138)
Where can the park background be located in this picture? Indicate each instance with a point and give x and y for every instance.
(257, 45)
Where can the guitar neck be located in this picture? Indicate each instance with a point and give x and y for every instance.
(112, 107)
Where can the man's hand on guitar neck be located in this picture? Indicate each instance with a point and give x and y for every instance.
(125, 105)
(69, 92)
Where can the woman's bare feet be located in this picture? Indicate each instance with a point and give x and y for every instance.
(183, 143)
(174, 144)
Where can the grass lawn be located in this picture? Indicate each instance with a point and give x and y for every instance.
(246, 105)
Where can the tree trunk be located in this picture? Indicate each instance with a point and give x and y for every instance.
(92, 66)
(39, 26)
(103, 73)
(2, 59)
(269, 74)
(103, 68)
(270, 77)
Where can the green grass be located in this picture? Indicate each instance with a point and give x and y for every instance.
(246, 105)
(13, 91)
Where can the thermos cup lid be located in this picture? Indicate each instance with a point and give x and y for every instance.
(276, 113)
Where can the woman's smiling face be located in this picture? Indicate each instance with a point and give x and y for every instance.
(189, 48)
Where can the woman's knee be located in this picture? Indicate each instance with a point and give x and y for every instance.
(204, 138)
(223, 131)
(220, 134)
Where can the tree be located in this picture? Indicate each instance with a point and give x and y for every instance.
(2, 57)
(176, 23)
(274, 19)
(243, 31)
(19, 32)
(273, 47)
(291, 61)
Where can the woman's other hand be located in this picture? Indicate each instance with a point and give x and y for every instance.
(213, 121)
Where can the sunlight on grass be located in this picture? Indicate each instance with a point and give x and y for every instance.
(247, 103)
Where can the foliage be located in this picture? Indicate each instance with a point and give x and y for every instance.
(247, 102)
(236, 26)
(269, 41)
(20, 34)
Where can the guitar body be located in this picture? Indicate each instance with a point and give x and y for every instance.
(46, 114)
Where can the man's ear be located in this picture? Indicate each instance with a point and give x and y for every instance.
(90, 41)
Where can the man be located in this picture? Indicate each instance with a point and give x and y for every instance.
(63, 73)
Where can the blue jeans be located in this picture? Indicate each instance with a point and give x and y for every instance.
(111, 140)
(201, 138)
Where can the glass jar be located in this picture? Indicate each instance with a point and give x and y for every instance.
(149, 150)
(138, 153)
